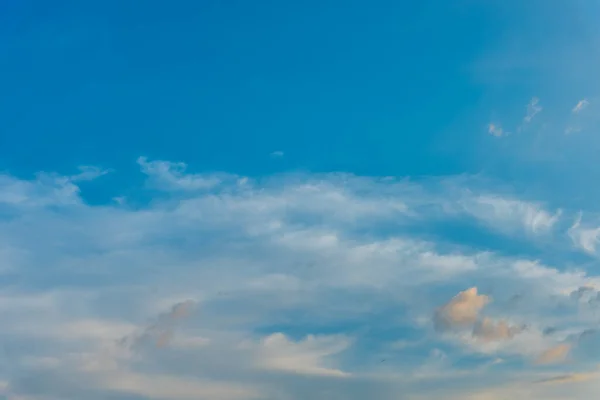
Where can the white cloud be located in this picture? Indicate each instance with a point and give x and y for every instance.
(580, 106)
(533, 108)
(88, 173)
(507, 214)
(278, 353)
(585, 238)
(46, 189)
(247, 290)
(277, 154)
(496, 130)
(167, 175)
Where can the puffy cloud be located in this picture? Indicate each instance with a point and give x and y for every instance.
(299, 281)
(46, 190)
(496, 130)
(461, 311)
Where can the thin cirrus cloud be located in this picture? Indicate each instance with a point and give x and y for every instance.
(584, 237)
(496, 130)
(226, 287)
(533, 108)
(575, 123)
(554, 354)
(580, 106)
(570, 378)
(571, 130)
(171, 176)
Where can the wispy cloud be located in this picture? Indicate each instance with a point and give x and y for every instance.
(305, 357)
(496, 130)
(554, 354)
(569, 378)
(533, 108)
(88, 173)
(571, 130)
(580, 106)
(505, 213)
(172, 176)
(245, 291)
(584, 237)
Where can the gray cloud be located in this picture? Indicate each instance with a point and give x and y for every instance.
(555, 354)
(161, 331)
(489, 330)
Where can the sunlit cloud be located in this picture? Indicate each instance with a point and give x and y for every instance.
(245, 288)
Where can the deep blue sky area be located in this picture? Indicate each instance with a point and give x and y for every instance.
(222, 84)
(384, 88)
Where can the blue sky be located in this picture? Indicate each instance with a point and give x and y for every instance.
(286, 200)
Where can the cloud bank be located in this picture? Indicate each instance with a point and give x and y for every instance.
(219, 286)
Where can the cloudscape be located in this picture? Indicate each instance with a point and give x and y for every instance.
(229, 200)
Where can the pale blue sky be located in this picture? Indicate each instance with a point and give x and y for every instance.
(267, 200)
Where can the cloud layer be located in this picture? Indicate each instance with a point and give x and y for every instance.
(297, 286)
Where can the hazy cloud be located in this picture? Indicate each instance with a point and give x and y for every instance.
(167, 175)
(490, 330)
(275, 271)
(554, 354)
(580, 106)
(533, 108)
(496, 130)
(583, 237)
(571, 129)
(570, 378)
(161, 331)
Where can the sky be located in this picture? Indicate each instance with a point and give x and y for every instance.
(233, 200)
